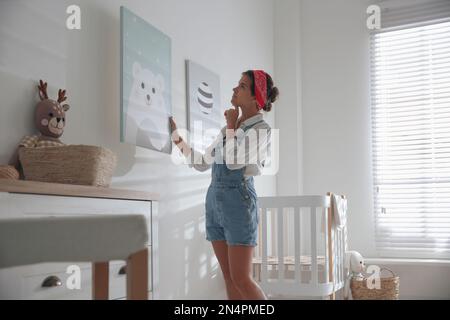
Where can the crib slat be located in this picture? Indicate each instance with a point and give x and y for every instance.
(339, 254)
(258, 252)
(331, 244)
(338, 251)
(325, 227)
(297, 243)
(280, 235)
(264, 245)
(341, 273)
(336, 255)
(314, 274)
(273, 231)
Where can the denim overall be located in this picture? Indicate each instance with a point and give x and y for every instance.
(231, 204)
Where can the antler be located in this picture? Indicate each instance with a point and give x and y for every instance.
(61, 95)
(42, 90)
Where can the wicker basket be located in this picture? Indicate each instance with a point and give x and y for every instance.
(389, 288)
(71, 164)
(8, 172)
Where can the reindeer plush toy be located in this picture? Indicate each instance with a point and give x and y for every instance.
(50, 120)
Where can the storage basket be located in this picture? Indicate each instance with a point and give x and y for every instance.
(8, 172)
(71, 164)
(389, 288)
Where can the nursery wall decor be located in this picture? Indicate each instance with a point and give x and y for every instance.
(146, 84)
(204, 110)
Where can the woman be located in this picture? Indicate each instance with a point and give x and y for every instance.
(231, 200)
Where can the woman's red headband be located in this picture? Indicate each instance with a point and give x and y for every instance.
(260, 87)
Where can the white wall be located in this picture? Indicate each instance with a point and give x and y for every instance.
(335, 108)
(418, 279)
(288, 117)
(322, 65)
(227, 37)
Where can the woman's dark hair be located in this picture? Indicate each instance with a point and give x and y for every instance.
(272, 92)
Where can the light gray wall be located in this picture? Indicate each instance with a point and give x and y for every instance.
(288, 117)
(335, 109)
(227, 37)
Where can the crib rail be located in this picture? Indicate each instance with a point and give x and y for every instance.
(294, 201)
(318, 209)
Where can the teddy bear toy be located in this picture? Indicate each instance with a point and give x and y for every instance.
(49, 118)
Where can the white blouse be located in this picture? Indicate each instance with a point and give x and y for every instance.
(236, 152)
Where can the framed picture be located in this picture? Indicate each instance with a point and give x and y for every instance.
(145, 84)
(205, 115)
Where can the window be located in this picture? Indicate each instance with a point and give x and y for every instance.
(410, 93)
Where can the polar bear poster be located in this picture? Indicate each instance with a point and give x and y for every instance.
(147, 115)
(145, 85)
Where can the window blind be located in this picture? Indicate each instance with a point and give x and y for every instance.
(400, 13)
(410, 109)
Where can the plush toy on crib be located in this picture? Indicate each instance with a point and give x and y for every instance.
(354, 263)
(50, 120)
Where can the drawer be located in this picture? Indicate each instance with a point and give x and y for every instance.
(32, 286)
(26, 282)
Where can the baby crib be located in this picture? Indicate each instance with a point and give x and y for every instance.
(301, 250)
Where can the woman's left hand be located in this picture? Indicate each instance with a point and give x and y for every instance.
(231, 116)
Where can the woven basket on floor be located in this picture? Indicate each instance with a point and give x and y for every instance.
(8, 172)
(389, 288)
(71, 164)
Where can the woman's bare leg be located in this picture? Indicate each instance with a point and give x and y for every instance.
(221, 251)
(240, 262)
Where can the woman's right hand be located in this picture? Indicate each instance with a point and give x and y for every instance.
(173, 125)
(174, 132)
(176, 138)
